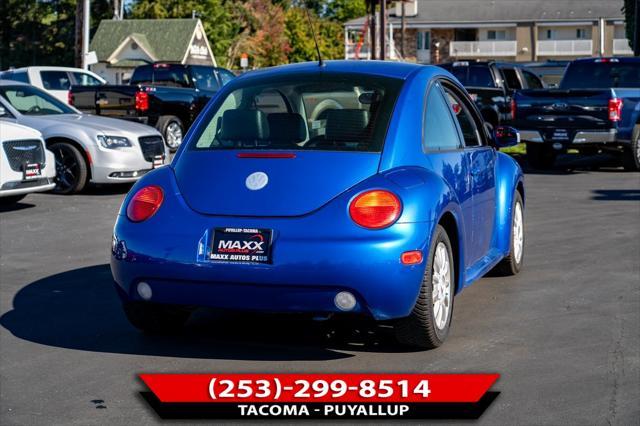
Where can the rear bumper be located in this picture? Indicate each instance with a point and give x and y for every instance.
(19, 187)
(583, 137)
(312, 262)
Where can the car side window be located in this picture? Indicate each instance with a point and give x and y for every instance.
(226, 76)
(439, 132)
(511, 77)
(6, 113)
(464, 117)
(533, 82)
(55, 80)
(84, 79)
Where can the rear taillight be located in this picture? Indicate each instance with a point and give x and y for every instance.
(142, 101)
(145, 203)
(615, 109)
(70, 98)
(514, 109)
(375, 209)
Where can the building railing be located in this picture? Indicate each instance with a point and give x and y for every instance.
(621, 47)
(564, 47)
(483, 48)
(392, 52)
(350, 51)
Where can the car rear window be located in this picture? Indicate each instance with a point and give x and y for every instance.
(319, 111)
(601, 75)
(142, 75)
(472, 75)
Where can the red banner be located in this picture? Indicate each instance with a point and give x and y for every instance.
(334, 388)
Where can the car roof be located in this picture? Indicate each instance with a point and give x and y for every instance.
(13, 83)
(400, 70)
(47, 68)
(466, 63)
(621, 59)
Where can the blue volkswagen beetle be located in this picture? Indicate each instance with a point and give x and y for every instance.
(363, 187)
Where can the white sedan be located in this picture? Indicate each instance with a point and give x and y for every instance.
(87, 148)
(25, 164)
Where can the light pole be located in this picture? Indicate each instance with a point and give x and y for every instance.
(85, 34)
(383, 29)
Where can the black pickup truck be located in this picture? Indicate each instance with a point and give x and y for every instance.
(166, 96)
(492, 84)
(595, 108)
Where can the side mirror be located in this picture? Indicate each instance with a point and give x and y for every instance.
(505, 136)
(3, 112)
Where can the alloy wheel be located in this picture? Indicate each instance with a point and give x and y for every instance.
(441, 286)
(67, 168)
(518, 232)
(173, 135)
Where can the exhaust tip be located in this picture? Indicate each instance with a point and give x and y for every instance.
(345, 301)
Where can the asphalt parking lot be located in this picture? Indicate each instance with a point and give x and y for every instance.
(564, 334)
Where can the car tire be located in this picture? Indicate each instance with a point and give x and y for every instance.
(540, 157)
(172, 130)
(512, 263)
(632, 154)
(71, 168)
(428, 325)
(11, 200)
(154, 318)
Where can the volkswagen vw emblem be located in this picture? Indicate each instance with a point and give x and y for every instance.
(256, 181)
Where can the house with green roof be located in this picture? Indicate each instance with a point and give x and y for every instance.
(122, 45)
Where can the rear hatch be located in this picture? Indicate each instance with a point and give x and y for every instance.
(551, 110)
(215, 182)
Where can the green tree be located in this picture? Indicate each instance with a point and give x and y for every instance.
(263, 34)
(41, 32)
(218, 18)
(329, 33)
(629, 10)
(345, 10)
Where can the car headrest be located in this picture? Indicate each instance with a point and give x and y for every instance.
(244, 125)
(287, 127)
(346, 124)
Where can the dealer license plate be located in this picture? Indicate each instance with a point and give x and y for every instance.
(560, 135)
(241, 245)
(31, 171)
(158, 161)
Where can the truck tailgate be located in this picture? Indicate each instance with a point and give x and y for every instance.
(570, 110)
(109, 101)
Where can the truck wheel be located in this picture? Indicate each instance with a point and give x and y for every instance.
(71, 168)
(156, 318)
(512, 263)
(428, 324)
(632, 154)
(171, 128)
(540, 157)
